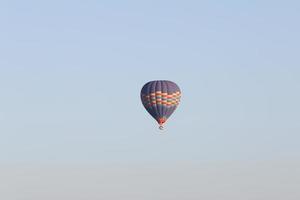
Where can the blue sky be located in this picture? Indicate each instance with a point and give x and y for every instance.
(71, 73)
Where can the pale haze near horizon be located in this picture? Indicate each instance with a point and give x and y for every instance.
(73, 127)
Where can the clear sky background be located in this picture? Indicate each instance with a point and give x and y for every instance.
(70, 79)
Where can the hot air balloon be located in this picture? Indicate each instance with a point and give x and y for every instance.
(160, 98)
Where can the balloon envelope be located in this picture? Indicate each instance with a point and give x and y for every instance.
(160, 98)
